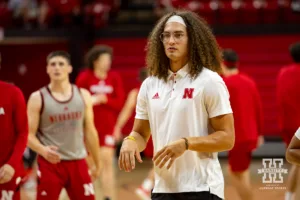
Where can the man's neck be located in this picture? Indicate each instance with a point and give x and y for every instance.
(231, 72)
(175, 66)
(60, 86)
(101, 74)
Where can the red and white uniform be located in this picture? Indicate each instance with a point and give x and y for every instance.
(288, 97)
(13, 136)
(105, 115)
(247, 111)
(62, 125)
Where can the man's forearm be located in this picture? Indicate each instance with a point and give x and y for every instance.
(35, 144)
(140, 140)
(215, 142)
(293, 156)
(92, 143)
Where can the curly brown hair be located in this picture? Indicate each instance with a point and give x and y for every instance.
(203, 48)
(94, 54)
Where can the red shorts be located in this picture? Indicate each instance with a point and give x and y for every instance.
(11, 190)
(107, 140)
(239, 159)
(149, 148)
(71, 175)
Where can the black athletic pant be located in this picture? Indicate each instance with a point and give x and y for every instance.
(185, 196)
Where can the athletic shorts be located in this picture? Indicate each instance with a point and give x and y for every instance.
(11, 190)
(148, 152)
(72, 175)
(185, 196)
(107, 140)
(239, 159)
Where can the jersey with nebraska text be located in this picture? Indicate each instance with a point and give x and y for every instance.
(61, 124)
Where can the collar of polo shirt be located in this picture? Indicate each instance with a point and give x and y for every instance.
(182, 72)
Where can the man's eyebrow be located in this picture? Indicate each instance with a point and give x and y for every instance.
(173, 32)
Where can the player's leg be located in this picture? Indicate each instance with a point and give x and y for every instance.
(144, 191)
(293, 172)
(291, 183)
(239, 162)
(107, 154)
(80, 186)
(51, 180)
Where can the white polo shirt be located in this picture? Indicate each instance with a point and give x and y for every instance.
(181, 107)
(297, 134)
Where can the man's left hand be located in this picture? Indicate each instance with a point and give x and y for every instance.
(6, 173)
(169, 153)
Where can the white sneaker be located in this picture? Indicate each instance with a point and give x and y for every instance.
(143, 194)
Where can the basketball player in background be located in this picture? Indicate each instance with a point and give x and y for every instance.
(108, 98)
(60, 125)
(247, 111)
(13, 139)
(288, 97)
(144, 190)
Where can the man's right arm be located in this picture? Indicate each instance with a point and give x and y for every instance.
(293, 150)
(33, 111)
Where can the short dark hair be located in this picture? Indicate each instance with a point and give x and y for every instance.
(94, 54)
(295, 52)
(63, 54)
(143, 73)
(230, 57)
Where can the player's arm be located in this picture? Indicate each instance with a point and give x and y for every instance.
(127, 111)
(216, 101)
(90, 132)
(34, 107)
(7, 171)
(293, 151)
(220, 140)
(138, 138)
(20, 122)
(116, 100)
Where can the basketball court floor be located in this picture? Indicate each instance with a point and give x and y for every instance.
(128, 182)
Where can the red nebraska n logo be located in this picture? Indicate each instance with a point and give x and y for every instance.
(188, 93)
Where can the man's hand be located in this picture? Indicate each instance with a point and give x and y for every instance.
(99, 99)
(50, 154)
(169, 153)
(95, 171)
(129, 151)
(117, 134)
(7, 172)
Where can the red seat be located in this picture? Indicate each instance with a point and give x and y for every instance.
(5, 15)
(97, 14)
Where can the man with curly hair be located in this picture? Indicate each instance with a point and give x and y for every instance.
(186, 105)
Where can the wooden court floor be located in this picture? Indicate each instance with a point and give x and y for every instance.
(128, 182)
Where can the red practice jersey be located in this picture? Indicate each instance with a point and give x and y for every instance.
(288, 96)
(13, 125)
(247, 110)
(105, 114)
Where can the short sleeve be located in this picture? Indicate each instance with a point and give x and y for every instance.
(297, 134)
(142, 104)
(216, 98)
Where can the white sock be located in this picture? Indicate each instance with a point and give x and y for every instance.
(288, 196)
(147, 184)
